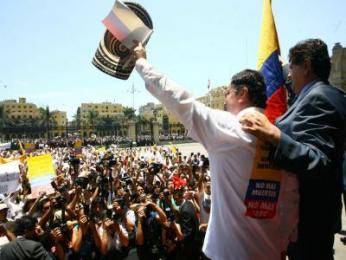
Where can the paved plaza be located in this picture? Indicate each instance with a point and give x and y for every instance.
(340, 248)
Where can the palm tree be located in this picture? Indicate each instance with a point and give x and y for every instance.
(129, 113)
(47, 120)
(92, 118)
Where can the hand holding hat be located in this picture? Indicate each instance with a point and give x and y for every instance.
(139, 52)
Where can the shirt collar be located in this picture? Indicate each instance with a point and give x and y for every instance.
(306, 88)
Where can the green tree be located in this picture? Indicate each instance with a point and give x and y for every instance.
(47, 120)
(2, 117)
(92, 119)
(129, 113)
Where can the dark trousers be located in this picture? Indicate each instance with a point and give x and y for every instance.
(312, 247)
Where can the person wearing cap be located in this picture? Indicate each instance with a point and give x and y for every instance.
(5, 234)
(231, 234)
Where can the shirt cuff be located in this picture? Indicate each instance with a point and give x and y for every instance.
(140, 63)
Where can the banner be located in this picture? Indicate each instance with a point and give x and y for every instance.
(5, 146)
(264, 186)
(9, 177)
(29, 147)
(78, 147)
(40, 174)
(101, 150)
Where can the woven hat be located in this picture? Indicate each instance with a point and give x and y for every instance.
(111, 54)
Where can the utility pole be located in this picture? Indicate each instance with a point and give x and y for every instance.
(133, 90)
(209, 93)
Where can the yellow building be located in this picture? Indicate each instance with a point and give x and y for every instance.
(60, 120)
(104, 109)
(20, 109)
(147, 111)
(338, 72)
(215, 98)
(168, 123)
(22, 119)
(96, 110)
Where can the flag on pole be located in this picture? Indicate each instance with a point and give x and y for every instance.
(262, 195)
(268, 64)
(125, 25)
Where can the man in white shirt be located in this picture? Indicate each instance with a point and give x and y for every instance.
(238, 228)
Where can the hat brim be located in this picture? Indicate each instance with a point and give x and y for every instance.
(111, 55)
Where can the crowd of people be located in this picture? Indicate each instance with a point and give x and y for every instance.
(286, 176)
(275, 188)
(146, 203)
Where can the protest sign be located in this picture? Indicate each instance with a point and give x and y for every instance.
(5, 146)
(78, 147)
(9, 177)
(29, 147)
(40, 174)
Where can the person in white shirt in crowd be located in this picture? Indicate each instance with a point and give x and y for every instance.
(5, 234)
(230, 234)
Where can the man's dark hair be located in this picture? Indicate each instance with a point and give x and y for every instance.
(179, 192)
(24, 223)
(316, 51)
(255, 84)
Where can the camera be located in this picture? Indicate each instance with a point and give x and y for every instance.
(61, 225)
(112, 161)
(155, 167)
(166, 193)
(61, 189)
(82, 182)
(59, 202)
(113, 215)
(142, 165)
(120, 201)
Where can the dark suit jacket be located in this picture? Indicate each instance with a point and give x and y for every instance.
(189, 226)
(188, 221)
(23, 249)
(312, 145)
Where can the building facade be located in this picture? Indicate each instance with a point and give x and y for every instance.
(20, 109)
(215, 98)
(338, 71)
(27, 120)
(60, 120)
(100, 119)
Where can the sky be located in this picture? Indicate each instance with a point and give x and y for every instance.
(46, 46)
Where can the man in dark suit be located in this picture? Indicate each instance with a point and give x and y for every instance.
(25, 246)
(189, 227)
(309, 140)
